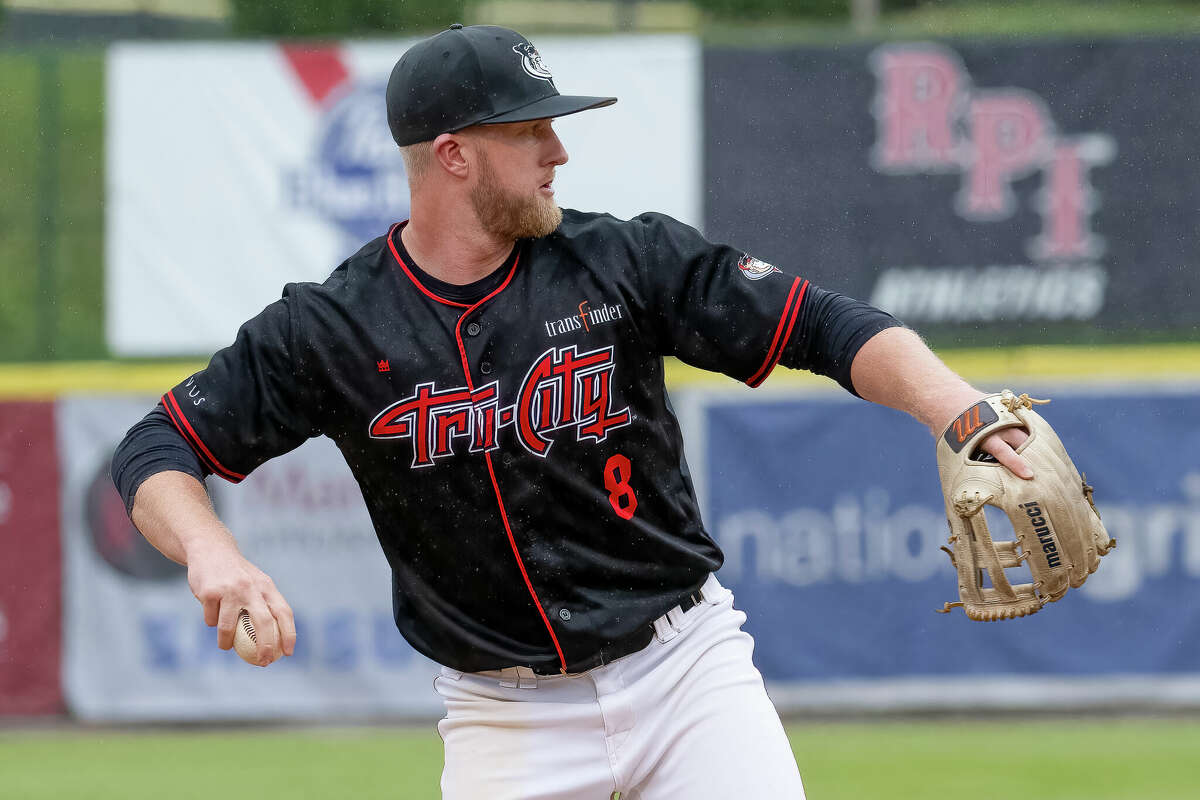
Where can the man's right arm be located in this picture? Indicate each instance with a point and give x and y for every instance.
(253, 402)
(159, 477)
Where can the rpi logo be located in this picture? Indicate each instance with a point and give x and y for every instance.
(357, 179)
(931, 120)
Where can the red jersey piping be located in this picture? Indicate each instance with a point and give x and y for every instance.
(424, 290)
(512, 542)
(791, 310)
(189, 433)
(413, 278)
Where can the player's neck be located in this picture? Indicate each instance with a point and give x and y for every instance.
(457, 255)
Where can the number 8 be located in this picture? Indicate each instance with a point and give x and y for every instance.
(617, 472)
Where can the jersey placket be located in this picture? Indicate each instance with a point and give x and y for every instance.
(468, 311)
(462, 351)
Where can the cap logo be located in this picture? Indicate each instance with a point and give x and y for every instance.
(532, 63)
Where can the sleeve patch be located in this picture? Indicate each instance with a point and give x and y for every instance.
(753, 269)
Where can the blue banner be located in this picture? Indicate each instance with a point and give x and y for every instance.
(830, 515)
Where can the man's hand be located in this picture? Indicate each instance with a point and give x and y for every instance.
(173, 512)
(1003, 446)
(225, 582)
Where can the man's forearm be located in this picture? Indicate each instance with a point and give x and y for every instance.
(896, 369)
(173, 512)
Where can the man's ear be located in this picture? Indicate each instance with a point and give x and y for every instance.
(449, 153)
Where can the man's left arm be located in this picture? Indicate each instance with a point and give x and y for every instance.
(896, 369)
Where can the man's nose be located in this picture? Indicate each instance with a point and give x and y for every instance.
(558, 153)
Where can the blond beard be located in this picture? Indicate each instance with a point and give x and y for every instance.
(506, 215)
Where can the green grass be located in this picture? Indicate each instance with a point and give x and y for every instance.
(1067, 760)
(1074, 760)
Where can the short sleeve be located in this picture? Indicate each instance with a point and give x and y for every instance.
(252, 402)
(719, 309)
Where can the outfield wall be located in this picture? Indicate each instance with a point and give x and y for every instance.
(989, 192)
(831, 519)
(30, 561)
(828, 510)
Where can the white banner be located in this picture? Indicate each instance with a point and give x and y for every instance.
(235, 168)
(136, 646)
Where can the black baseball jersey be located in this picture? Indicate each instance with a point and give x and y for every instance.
(513, 439)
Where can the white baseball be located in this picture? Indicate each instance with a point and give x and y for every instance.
(245, 639)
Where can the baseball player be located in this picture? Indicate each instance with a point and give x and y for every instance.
(492, 371)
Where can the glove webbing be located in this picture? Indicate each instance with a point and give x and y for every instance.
(994, 557)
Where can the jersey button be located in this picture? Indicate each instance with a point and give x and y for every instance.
(473, 329)
(485, 367)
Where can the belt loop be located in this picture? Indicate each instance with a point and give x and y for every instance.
(663, 629)
(508, 678)
(675, 617)
(526, 678)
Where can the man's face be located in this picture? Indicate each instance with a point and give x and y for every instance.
(513, 195)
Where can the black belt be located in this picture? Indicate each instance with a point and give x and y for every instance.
(619, 648)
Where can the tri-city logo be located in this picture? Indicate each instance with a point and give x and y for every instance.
(562, 389)
(585, 320)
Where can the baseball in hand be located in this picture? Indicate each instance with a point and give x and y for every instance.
(245, 638)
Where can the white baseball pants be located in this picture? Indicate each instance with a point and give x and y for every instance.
(686, 717)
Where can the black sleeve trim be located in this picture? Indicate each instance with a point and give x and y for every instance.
(152, 446)
(832, 329)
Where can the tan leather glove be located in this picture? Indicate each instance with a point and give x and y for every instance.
(1058, 529)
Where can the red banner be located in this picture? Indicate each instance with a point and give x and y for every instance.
(30, 561)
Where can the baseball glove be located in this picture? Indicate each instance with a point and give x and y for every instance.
(1058, 529)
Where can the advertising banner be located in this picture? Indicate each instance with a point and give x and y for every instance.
(984, 192)
(137, 647)
(30, 561)
(830, 515)
(234, 168)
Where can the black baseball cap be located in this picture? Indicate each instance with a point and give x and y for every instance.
(479, 74)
